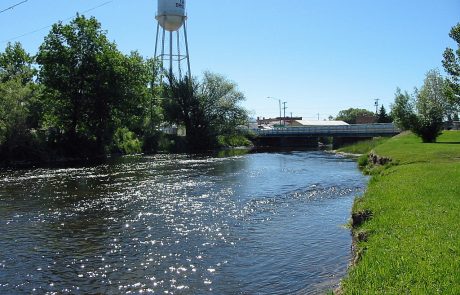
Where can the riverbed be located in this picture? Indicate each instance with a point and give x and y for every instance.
(264, 223)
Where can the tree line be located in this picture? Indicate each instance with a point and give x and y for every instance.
(80, 97)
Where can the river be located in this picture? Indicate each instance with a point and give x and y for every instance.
(263, 223)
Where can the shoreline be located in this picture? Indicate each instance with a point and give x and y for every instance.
(394, 227)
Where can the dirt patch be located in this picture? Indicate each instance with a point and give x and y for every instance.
(377, 160)
(358, 218)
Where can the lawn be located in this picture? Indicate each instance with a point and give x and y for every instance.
(411, 244)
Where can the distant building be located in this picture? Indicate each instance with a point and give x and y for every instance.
(269, 123)
(307, 123)
(366, 119)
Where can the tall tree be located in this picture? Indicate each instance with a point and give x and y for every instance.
(207, 109)
(20, 108)
(383, 117)
(16, 63)
(425, 115)
(451, 64)
(402, 110)
(431, 107)
(91, 86)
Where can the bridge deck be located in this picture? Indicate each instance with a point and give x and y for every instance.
(357, 130)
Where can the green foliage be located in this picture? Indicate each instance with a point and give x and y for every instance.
(126, 142)
(383, 117)
(207, 109)
(425, 115)
(363, 147)
(220, 98)
(352, 114)
(402, 110)
(90, 99)
(363, 160)
(236, 140)
(411, 246)
(17, 140)
(91, 88)
(16, 64)
(451, 64)
(431, 107)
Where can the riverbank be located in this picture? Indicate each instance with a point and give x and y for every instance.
(407, 225)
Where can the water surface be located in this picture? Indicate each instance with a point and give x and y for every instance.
(252, 224)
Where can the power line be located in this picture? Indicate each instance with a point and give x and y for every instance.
(49, 26)
(13, 6)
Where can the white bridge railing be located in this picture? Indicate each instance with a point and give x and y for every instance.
(359, 130)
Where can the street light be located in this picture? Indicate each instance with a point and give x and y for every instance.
(279, 100)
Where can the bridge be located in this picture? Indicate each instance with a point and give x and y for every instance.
(310, 135)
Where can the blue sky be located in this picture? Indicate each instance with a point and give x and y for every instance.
(320, 56)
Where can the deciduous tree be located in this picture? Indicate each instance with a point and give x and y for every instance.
(92, 88)
(207, 109)
(451, 64)
(425, 114)
(352, 114)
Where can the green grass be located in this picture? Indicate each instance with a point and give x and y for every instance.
(413, 237)
(363, 147)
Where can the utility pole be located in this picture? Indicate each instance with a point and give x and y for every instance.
(284, 117)
(377, 106)
(279, 100)
(318, 116)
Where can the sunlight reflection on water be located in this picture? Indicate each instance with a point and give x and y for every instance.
(260, 223)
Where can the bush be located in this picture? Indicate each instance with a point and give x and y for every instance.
(233, 141)
(428, 130)
(126, 142)
(363, 160)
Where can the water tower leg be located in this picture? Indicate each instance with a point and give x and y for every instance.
(156, 52)
(179, 58)
(187, 53)
(171, 54)
(163, 51)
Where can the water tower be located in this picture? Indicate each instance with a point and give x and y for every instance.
(171, 17)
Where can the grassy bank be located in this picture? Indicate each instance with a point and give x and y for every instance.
(411, 242)
(363, 147)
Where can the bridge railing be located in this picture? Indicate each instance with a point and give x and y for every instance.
(348, 130)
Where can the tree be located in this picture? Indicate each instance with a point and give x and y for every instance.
(16, 63)
(383, 117)
(221, 99)
(431, 106)
(207, 109)
(17, 141)
(19, 106)
(402, 110)
(424, 116)
(92, 88)
(352, 115)
(451, 64)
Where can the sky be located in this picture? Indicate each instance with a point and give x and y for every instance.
(318, 56)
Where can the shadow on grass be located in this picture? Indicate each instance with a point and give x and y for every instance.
(447, 142)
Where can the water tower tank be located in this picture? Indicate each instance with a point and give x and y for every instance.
(171, 14)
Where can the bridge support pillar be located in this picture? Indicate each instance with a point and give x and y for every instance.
(287, 142)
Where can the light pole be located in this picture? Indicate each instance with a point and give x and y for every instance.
(279, 100)
(376, 106)
(284, 114)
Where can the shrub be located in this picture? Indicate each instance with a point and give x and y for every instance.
(126, 142)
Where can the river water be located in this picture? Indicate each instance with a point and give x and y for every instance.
(267, 223)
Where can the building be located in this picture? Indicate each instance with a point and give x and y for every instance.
(312, 123)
